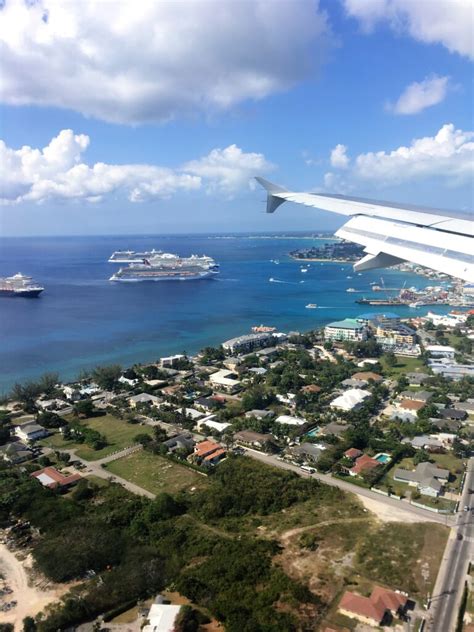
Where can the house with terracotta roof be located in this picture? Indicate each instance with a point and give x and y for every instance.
(311, 389)
(363, 464)
(353, 453)
(208, 452)
(50, 477)
(362, 608)
(366, 376)
(373, 610)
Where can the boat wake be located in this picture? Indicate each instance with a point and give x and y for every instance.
(272, 280)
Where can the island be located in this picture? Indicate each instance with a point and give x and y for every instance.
(338, 252)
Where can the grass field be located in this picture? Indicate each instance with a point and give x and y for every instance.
(156, 474)
(404, 365)
(118, 433)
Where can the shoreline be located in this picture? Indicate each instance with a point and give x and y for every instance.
(321, 260)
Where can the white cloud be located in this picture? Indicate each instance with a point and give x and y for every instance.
(228, 169)
(58, 172)
(421, 95)
(446, 22)
(339, 157)
(132, 62)
(448, 156)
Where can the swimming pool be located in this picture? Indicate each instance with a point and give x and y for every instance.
(313, 433)
(383, 458)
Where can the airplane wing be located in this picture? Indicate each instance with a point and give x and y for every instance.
(393, 233)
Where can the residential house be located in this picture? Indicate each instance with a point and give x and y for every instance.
(333, 428)
(254, 439)
(290, 420)
(50, 477)
(363, 463)
(212, 424)
(224, 380)
(208, 452)
(30, 431)
(353, 453)
(182, 441)
(128, 381)
(468, 406)
(206, 404)
(427, 477)
(409, 408)
(171, 361)
(362, 608)
(162, 617)
(259, 414)
(352, 399)
(417, 379)
(15, 452)
(425, 442)
(452, 413)
(144, 398)
(232, 363)
(308, 451)
(373, 610)
(367, 376)
(416, 396)
(171, 390)
(449, 425)
(311, 389)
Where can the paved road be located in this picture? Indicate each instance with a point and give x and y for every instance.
(401, 505)
(449, 586)
(95, 468)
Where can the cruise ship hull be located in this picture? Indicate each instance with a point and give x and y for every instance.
(165, 276)
(21, 293)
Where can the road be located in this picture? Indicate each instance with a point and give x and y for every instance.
(449, 586)
(401, 505)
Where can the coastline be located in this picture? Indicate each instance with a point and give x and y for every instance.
(321, 260)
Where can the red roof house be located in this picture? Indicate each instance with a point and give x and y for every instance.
(362, 608)
(362, 464)
(50, 477)
(353, 453)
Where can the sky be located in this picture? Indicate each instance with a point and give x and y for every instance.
(119, 117)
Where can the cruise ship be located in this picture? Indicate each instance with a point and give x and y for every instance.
(20, 285)
(165, 266)
(130, 256)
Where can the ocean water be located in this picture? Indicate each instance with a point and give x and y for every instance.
(83, 320)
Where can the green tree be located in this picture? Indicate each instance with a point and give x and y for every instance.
(29, 624)
(107, 376)
(84, 408)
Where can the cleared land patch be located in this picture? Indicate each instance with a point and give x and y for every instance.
(119, 435)
(157, 474)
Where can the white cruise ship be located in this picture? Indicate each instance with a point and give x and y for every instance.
(165, 266)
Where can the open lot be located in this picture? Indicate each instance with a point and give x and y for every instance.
(403, 365)
(156, 474)
(118, 433)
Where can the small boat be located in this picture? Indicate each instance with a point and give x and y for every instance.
(415, 305)
(348, 276)
(304, 269)
(263, 329)
(311, 306)
(351, 289)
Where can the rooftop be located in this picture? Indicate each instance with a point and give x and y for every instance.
(347, 323)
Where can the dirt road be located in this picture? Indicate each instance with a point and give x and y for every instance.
(31, 599)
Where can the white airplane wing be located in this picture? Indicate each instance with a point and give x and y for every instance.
(392, 233)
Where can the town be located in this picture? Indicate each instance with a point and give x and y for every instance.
(337, 459)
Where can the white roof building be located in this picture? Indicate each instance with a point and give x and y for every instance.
(162, 618)
(209, 422)
(289, 420)
(441, 351)
(351, 399)
(221, 378)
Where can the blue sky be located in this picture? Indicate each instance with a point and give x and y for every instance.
(173, 111)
